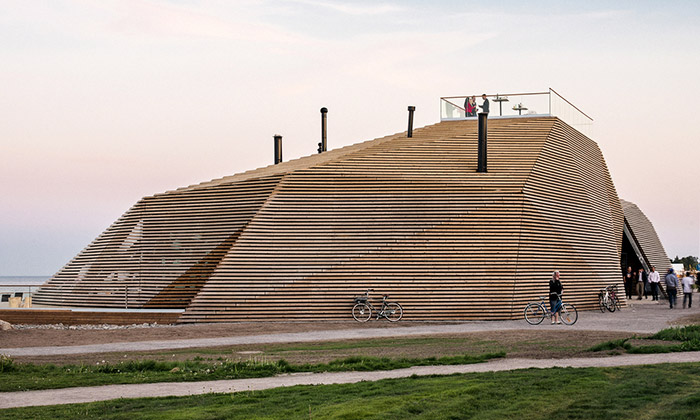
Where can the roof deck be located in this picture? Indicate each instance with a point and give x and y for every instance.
(518, 105)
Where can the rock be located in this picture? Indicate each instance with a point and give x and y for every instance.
(4, 326)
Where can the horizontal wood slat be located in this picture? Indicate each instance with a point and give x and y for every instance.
(643, 231)
(406, 216)
(68, 317)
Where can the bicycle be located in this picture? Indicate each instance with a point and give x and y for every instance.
(607, 299)
(535, 312)
(362, 310)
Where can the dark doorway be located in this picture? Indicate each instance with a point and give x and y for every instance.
(629, 257)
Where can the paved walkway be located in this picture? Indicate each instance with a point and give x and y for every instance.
(642, 317)
(163, 389)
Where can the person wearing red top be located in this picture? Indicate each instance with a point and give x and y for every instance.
(470, 106)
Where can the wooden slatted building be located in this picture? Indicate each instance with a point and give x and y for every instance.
(410, 217)
(645, 248)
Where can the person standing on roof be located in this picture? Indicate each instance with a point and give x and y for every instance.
(470, 106)
(485, 105)
(671, 287)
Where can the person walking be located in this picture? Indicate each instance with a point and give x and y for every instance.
(630, 283)
(555, 289)
(654, 280)
(641, 281)
(671, 287)
(687, 283)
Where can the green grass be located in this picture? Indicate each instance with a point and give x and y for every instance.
(380, 343)
(670, 391)
(23, 377)
(690, 333)
(688, 336)
(612, 345)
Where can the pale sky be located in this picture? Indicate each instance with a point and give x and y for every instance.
(104, 102)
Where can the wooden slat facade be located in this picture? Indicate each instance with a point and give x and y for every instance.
(406, 216)
(69, 317)
(644, 234)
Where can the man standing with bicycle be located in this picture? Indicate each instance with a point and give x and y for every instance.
(555, 289)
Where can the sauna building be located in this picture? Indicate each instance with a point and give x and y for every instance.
(411, 217)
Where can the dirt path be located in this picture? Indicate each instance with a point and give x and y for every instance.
(110, 392)
(641, 318)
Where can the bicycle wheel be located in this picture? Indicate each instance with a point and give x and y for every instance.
(393, 311)
(534, 313)
(610, 304)
(568, 314)
(361, 312)
(601, 303)
(617, 304)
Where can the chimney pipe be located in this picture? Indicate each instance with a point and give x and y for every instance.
(324, 131)
(410, 121)
(278, 148)
(483, 117)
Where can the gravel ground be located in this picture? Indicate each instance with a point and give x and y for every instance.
(110, 392)
(641, 317)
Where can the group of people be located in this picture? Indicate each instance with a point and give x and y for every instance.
(640, 282)
(645, 284)
(470, 106)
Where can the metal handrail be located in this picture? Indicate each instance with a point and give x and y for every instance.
(447, 99)
(498, 94)
(574, 106)
(453, 104)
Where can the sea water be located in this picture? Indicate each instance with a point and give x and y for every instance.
(19, 285)
(23, 280)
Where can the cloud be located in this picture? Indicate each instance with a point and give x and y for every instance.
(160, 19)
(353, 9)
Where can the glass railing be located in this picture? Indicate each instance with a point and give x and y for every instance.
(516, 105)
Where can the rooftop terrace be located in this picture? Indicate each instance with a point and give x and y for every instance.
(518, 105)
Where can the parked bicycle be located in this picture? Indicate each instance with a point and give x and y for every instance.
(607, 299)
(535, 312)
(362, 311)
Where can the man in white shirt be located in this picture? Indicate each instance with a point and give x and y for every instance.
(654, 280)
(687, 283)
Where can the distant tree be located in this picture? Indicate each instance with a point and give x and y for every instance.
(689, 262)
(676, 260)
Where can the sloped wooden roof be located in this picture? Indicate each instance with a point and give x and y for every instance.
(405, 216)
(644, 233)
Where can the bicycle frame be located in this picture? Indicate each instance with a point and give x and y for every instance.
(388, 310)
(380, 313)
(607, 299)
(536, 312)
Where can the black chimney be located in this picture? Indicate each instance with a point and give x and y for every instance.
(278, 148)
(483, 117)
(410, 121)
(322, 147)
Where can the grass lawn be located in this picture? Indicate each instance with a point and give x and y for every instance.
(272, 359)
(526, 343)
(669, 340)
(24, 377)
(670, 391)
